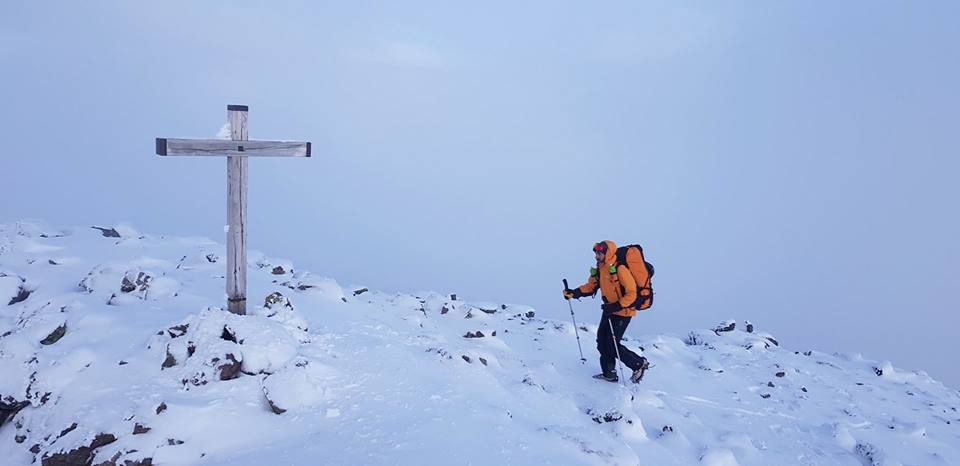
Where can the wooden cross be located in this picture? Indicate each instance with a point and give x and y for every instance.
(236, 150)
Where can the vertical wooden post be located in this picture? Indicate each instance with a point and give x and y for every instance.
(237, 215)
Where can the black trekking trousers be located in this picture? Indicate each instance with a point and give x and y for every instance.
(608, 352)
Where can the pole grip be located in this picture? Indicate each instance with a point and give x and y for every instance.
(565, 286)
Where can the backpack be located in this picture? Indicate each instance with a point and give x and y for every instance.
(642, 271)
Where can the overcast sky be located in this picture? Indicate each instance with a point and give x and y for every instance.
(790, 163)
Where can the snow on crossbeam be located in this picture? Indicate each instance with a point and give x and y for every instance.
(227, 148)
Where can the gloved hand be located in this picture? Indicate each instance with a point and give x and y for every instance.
(610, 308)
(567, 294)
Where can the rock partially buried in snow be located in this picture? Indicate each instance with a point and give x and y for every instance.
(299, 385)
(107, 232)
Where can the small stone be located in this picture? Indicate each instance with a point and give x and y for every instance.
(530, 314)
(177, 330)
(140, 429)
(171, 441)
(770, 384)
(231, 369)
(444, 310)
(494, 333)
(55, 336)
(20, 438)
(107, 232)
(780, 374)
(102, 440)
(764, 395)
(483, 361)
(453, 297)
(161, 408)
(278, 270)
(804, 389)
(170, 361)
(212, 258)
(465, 358)
(22, 295)
(360, 291)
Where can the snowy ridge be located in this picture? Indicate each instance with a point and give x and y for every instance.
(113, 350)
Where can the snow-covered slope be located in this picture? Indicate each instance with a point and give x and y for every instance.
(114, 349)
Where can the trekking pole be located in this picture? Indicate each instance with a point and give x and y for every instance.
(616, 347)
(575, 331)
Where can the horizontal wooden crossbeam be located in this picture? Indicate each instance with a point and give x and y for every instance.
(227, 148)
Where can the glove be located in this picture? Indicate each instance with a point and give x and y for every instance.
(610, 308)
(567, 294)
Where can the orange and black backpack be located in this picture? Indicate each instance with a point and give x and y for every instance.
(642, 271)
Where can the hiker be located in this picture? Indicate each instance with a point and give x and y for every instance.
(619, 291)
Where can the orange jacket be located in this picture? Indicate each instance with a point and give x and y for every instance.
(617, 287)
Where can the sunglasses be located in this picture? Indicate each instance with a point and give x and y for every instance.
(600, 248)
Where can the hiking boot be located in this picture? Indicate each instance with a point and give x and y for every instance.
(638, 374)
(608, 377)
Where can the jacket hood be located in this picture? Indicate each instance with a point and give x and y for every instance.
(611, 257)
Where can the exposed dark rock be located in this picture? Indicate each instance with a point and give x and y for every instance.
(52, 262)
(273, 407)
(488, 311)
(212, 258)
(139, 283)
(56, 335)
(19, 438)
(483, 361)
(173, 441)
(749, 327)
(170, 361)
(494, 333)
(444, 310)
(122, 363)
(35, 449)
(230, 369)
(191, 348)
(772, 340)
(228, 334)
(453, 297)
(177, 330)
(611, 416)
(667, 429)
(67, 430)
(139, 428)
(780, 374)
(102, 440)
(878, 371)
(81, 456)
(465, 358)
(770, 384)
(725, 327)
(360, 291)
(107, 232)
(477, 334)
(22, 295)
(161, 408)
(530, 314)
(278, 270)
(9, 408)
(804, 389)
(764, 395)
